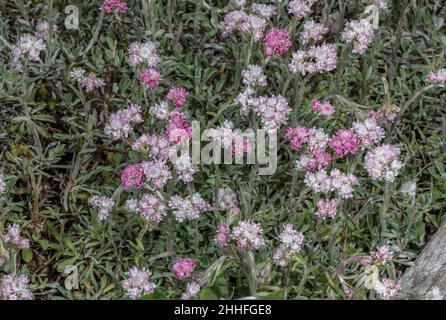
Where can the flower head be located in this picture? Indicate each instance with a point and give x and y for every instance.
(184, 268)
(137, 283)
(15, 288)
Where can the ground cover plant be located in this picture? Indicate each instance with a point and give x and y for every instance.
(95, 95)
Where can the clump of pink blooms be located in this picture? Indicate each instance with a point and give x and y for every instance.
(438, 76)
(264, 10)
(149, 207)
(228, 138)
(312, 31)
(248, 235)
(192, 290)
(143, 53)
(15, 288)
(184, 268)
(29, 47)
(119, 124)
(337, 181)
(227, 200)
(317, 139)
(156, 173)
(150, 78)
(103, 204)
(253, 76)
(178, 127)
(359, 33)
(43, 29)
(12, 236)
(2, 183)
(239, 20)
(157, 146)
(90, 82)
(137, 283)
(184, 168)
(132, 176)
(300, 8)
(382, 163)
(343, 142)
(297, 136)
(381, 4)
(276, 42)
(239, 3)
(113, 5)
(326, 208)
(316, 59)
(368, 132)
(177, 96)
(272, 110)
(387, 288)
(382, 255)
(291, 243)
(160, 110)
(222, 236)
(188, 208)
(315, 159)
(325, 109)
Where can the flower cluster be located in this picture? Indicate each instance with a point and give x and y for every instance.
(88, 83)
(437, 77)
(359, 33)
(160, 110)
(178, 127)
(143, 53)
(276, 42)
(386, 113)
(325, 109)
(103, 204)
(119, 125)
(43, 29)
(316, 59)
(132, 176)
(150, 78)
(300, 8)
(312, 31)
(383, 163)
(387, 288)
(149, 207)
(343, 142)
(188, 208)
(157, 146)
(137, 283)
(326, 208)
(253, 76)
(239, 20)
(337, 181)
(264, 10)
(184, 168)
(192, 290)
(184, 268)
(248, 235)
(12, 236)
(222, 236)
(29, 47)
(15, 288)
(156, 173)
(177, 96)
(368, 132)
(291, 243)
(113, 5)
(379, 257)
(272, 110)
(227, 200)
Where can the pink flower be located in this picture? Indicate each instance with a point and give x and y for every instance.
(276, 41)
(178, 127)
(323, 108)
(326, 208)
(132, 176)
(111, 5)
(343, 142)
(222, 235)
(150, 77)
(177, 96)
(183, 268)
(382, 255)
(297, 136)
